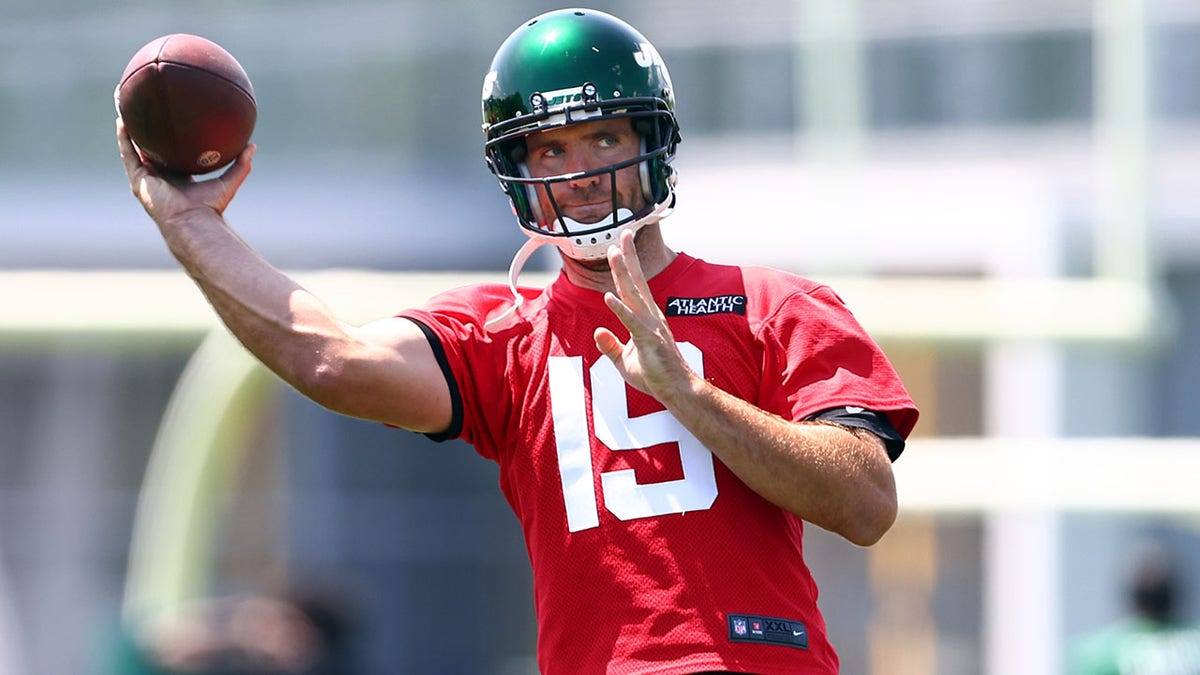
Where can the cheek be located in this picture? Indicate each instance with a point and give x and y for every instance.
(558, 190)
(629, 186)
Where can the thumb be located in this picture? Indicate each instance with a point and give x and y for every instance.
(608, 344)
(236, 174)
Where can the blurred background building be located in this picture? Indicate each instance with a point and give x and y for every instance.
(1048, 146)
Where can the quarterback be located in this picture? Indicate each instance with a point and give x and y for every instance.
(665, 427)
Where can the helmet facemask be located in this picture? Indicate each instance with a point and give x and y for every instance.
(543, 219)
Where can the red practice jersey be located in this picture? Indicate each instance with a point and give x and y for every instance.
(648, 554)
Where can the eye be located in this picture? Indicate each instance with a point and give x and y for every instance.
(608, 141)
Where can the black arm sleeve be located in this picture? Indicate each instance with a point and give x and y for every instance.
(868, 420)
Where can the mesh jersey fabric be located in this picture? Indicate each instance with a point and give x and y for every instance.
(645, 549)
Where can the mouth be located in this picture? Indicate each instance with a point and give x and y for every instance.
(573, 224)
(588, 213)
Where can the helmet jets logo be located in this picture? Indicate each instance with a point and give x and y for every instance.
(647, 56)
(549, 100)
(559, 99)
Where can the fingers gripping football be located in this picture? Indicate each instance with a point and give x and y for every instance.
(166, 196)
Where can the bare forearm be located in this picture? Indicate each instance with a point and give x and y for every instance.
(267, 311)
(834, 477)
(385, 371)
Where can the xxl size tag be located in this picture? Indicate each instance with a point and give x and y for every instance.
(767, 630)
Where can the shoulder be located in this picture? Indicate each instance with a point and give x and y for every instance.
(772, 293)
(776, 283)
(768, 294)
(476, 303)
(767, 282)
(469, 299)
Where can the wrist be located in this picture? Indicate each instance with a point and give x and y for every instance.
(193, 216)
(685, 391)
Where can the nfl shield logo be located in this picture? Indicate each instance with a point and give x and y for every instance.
(739, 626)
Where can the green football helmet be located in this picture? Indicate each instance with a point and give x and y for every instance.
(567, 67)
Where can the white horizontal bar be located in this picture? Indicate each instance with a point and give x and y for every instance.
(1148, 475)
(165, 302)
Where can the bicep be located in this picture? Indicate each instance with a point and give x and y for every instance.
(394, 377)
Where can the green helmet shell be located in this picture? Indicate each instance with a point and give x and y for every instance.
(556, 53)
(566, 67)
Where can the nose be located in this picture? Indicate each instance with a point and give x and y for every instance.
(581, 162)
(584, 182)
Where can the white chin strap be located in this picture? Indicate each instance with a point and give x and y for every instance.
(514, 269)
(592, 246)
(580, 247)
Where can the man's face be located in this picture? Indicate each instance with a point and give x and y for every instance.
(584, 147)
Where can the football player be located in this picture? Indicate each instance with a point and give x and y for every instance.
(665, 427)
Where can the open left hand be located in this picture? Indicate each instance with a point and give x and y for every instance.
(650, 361)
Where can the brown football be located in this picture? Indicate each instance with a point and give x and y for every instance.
(187, 103)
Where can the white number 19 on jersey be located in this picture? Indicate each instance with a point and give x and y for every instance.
(623, 496)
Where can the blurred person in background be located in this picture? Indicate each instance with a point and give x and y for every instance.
(1152, 640)
(664, 426)
(245, 634)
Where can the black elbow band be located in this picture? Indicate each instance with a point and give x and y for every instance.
(868, 420)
